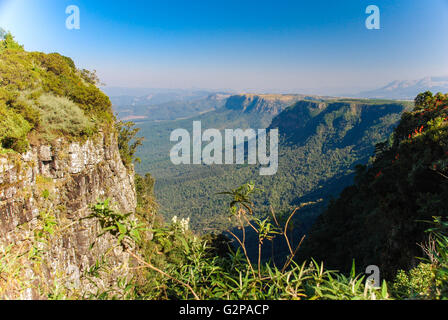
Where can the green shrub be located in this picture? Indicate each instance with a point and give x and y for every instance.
(28, 112)
(56, 64)
(50, 93)
(8, 42)
(418, 283)
(128, 142)
(146, 204)
(19, 71)
(61, 116)
(440, 255)
(122, 226)
(13, 130)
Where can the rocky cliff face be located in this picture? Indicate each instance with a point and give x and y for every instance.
(270, 104)
(64, 179)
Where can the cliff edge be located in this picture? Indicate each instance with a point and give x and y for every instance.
(59, 155)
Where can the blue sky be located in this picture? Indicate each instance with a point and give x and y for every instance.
(319, 46)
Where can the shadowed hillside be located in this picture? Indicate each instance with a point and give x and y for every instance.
(379, 219)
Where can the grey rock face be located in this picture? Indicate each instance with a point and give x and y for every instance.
(69, 177)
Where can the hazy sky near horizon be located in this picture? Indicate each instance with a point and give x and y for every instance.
(319, 46)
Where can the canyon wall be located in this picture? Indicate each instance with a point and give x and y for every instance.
(62, 180)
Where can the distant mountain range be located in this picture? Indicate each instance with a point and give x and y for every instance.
(141, 104)
(407, 90)
(166, 105)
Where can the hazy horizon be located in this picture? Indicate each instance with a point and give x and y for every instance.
(319, 47)
(336, 92)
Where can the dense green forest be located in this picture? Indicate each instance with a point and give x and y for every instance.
(321, 141)
(241, 111)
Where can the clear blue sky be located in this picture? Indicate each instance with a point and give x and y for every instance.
(241, 45)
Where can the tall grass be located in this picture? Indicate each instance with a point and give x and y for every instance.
(177, 264)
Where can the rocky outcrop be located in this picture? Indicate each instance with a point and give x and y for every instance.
(272, 104)
(66, 178)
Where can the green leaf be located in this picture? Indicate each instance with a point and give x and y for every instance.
(353, 271)
(121, 228)
(135, 235)
(384, 290)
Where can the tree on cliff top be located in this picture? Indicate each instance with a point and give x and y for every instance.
(7, 41)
